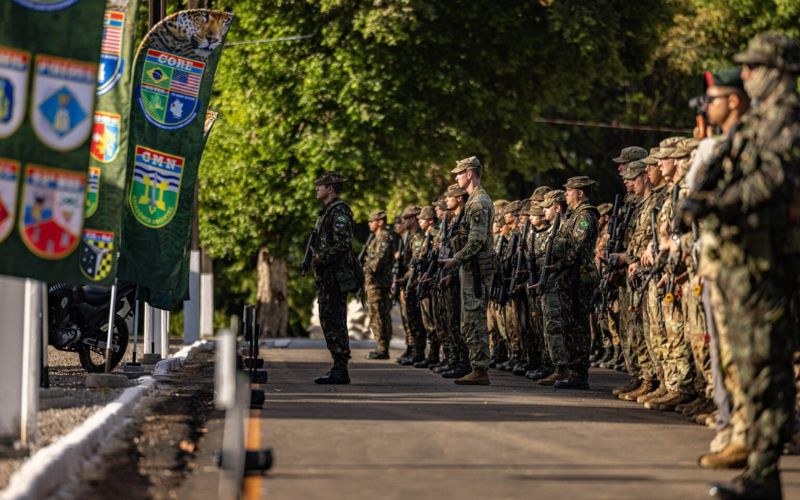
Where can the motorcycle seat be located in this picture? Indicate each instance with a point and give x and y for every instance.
(97, 295)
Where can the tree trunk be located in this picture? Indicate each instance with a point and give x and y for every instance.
(273, 308)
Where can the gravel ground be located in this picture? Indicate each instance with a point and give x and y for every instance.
(72, 403)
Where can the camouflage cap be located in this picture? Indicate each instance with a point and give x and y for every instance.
(377, 215)
(728, 77)
(634, 170)
(330, 178)
(512, 208)
(536, 210)
(427, 213)
(667, 147)
(499, 205)
(578, 182)
(467, 163)
(539, 192)
(524, 206)
(441, 204)
(604, 208)
(409, 212)
(684, 148)
(631, 153)
(772, 49)
(554, 196)
(454, 191)
(651, 159)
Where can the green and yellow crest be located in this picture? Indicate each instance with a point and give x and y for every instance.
(155, 187)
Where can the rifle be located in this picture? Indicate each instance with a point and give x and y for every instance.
(396, 272)
(312, 242)
(433, 270)
(416, 262)
(363, 252)
(494, 294)
(505, 270)
(548, 254)
(531, 259)
(607, 288)
(655, 271)
(519, 256)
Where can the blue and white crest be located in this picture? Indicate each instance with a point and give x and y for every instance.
(14, 65)
(111, 61)
(46, 5)
(63, 96)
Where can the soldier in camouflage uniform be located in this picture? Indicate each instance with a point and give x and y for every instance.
(450, 285)
(409, 302)
(578, 259)
(756, 200)
(555, 294)
(333, 264)
(536, 242)
(378, 262)
(618, 262)
(494, 322)
(427, 222)
(476, 268)
(510, 327)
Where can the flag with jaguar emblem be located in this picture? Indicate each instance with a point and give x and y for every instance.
(48, 81)
(172, 78)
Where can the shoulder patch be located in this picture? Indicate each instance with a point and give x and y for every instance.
(583, 224)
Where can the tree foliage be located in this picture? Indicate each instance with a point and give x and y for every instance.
(392, 92)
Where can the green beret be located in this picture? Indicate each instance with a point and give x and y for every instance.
(728, 77)
(772, 49)
(631, 153)
(330, 178)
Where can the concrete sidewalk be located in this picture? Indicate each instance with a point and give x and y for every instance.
(399, 432)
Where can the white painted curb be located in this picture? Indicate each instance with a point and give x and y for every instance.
(48, 468)
(175, 363)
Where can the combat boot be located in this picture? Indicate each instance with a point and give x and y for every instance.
(478, 376)
(403, 356)
(520, 369)
(337, 375)
(744, 488)
(613, 360)
(661, 390)
(572, 383)
(733, 456)
(646, 386)
(504, 366)
(706, 407)
(433, 358)
(457, 371)
(665, 404)
(539, 374)
(634, 384)
(691, 404)
(652, 403)
(561, 373)
(598, 356)
(377, 355)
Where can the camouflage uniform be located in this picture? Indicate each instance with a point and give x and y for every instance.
(578, 258)
(539, 354)
(476, 261)
(429, 305)
(334, 253)
(756, 202)
(378, 262)
(409, 302)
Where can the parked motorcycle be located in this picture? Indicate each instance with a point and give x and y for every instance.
(78, 322)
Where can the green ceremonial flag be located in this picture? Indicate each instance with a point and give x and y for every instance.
(49, 51)
(105, 187)
(172, 80)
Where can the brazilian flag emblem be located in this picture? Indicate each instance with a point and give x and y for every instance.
(156, 187)
(169, 88)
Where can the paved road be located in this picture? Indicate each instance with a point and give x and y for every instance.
(399, 432)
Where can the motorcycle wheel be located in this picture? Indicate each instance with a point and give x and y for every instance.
(93, 360)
